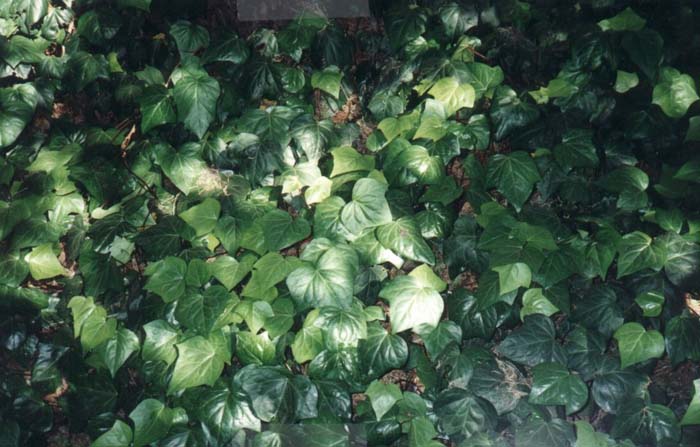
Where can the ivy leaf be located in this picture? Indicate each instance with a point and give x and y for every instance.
(534, 302)
(225, 411)
(255, 348)
(651, 303)
(43, 263)
(640, 421)
(462, 414)
(674, 93)
(326, 279)
(277, 395)
(328, 80)
(311, 136)
(637, 344)
(453, 94)
(17, 106)
(383, 397)
(457, 20)
(159, 343)
(553, 384)
(413, 303)
(368, 207)
(421, 432)
(639, 251)
(152, 420)
(195, 95)
(117, 350)
(645, 48)
(189, 37)
(533, 343)
(576, 150)
(281, 230)
(90, 322)
(692, 414)
(682, 263)
(206, 311)
(202, 217)
(418, 161)
(514, 175)
(510, 113)
(167, 278)
(403, 236)
(483, 77)
(681, 333)
(156, 108)
(600, 311)
(381, 351)
(625, 81)
(307, 344)
(627, 20)
(198, 363)
(513, 276)
(346, 159)
(119, 435)
(539, 432)
(185, 169)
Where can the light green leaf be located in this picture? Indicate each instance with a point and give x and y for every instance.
(43, 263)
(327, 80)
(281, 230)
(689, 171)
(368, 207)
(90, 322)
(152, 420)
(383, 396)
(426, 275)
(206, 311)
(637, 344)
(186, 170)
(404, 237)
(198, 363)
(117, 350)
(674, 93)
(202, 217)
(513, 276)
(167, 278)
(627, 20)
(692, 414)
(119, 435)
(159, 343)
(255, 348)
(453, 95)
(327, 277)
(625, 81)
(307, 344)
(586, 436)
(17, 106)
(534, 302)
(412, 303)
(347, 159)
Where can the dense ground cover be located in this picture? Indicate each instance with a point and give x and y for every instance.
(469, 223)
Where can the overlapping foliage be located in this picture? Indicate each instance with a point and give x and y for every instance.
(466, 223)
